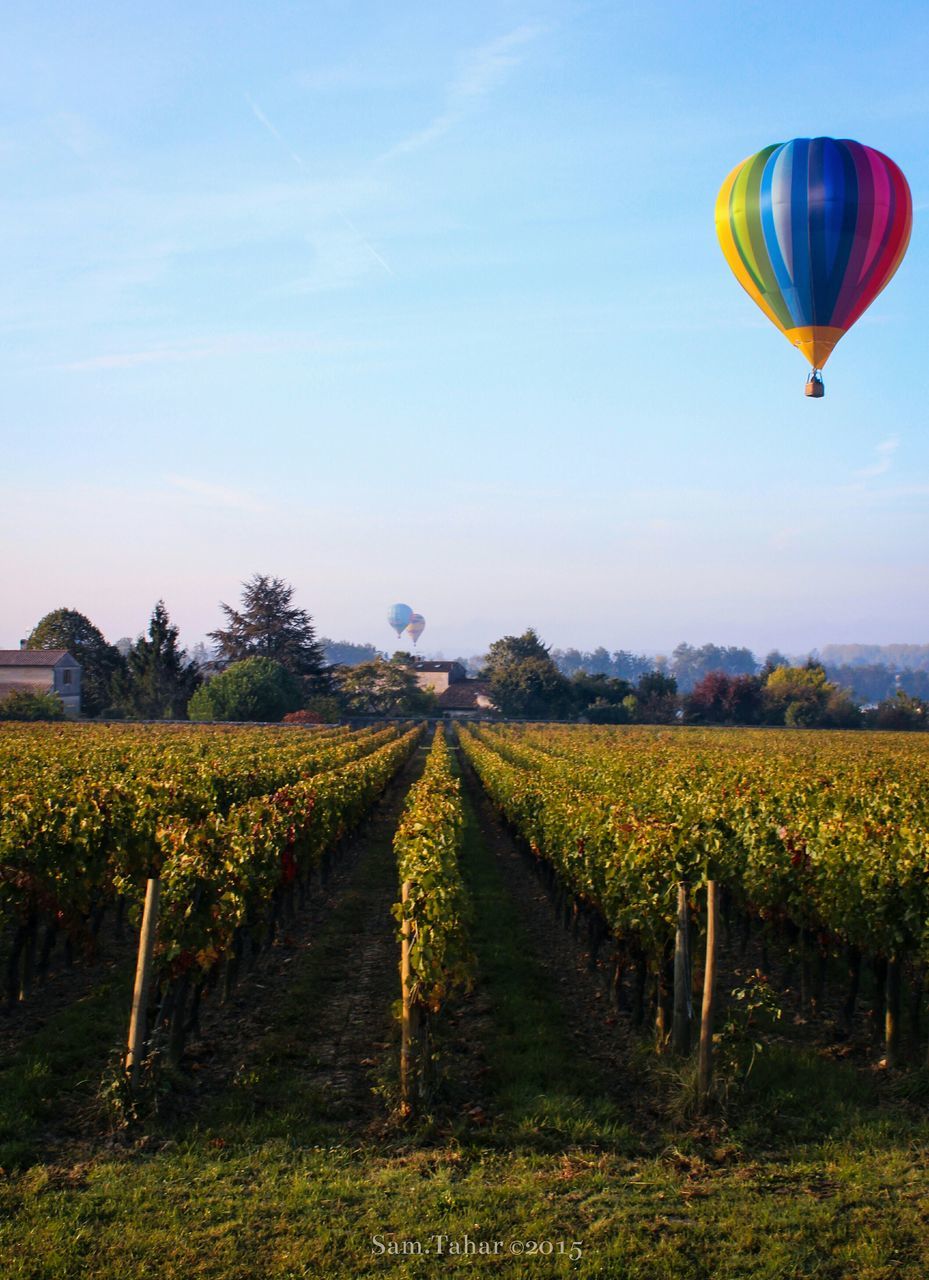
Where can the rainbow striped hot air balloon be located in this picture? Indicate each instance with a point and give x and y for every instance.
(416, 626)
(399, 617)
(813, 230)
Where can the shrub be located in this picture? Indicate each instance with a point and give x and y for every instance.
(254, 689)
(23, 705)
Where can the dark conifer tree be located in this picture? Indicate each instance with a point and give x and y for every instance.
(159, 680)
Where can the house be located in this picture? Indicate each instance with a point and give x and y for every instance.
(466, 699)
(457, 694)
(42, 671)
(437, 676)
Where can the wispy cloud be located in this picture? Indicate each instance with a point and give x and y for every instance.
(133, 359)
(299, 162)
(218, 348)
(884, 459)
(482, 71)
(216, 495)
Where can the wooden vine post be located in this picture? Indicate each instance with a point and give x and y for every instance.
(683, 1009)
(143, 981)
(410, 1017)
(705, 1056)
(892, 1012)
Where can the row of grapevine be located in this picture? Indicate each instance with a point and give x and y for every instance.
(433, 911)
(819, 839)
(88, 812)
(225, 883)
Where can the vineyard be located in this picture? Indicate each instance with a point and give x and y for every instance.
(228, 825)
(420, 978)
(819, 844)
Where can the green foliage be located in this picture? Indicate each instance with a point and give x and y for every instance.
(255, 689)
(382, 688)
(602, 711)
(326, 706)
(23, 705)
(514, 649)
(100, 662)
(268, 626)
(752, 1013)
(825, 830)
(902, 711)
(599, 698)
(224, 815)
(158, 681)
(803, 698)
(427, 845)
(656, 699)
(524, 679)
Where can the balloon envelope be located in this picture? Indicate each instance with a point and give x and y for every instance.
(416, 626)
(813, 230)
(399, 617)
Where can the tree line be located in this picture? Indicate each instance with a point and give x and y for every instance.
(720, 686)
(268, 663)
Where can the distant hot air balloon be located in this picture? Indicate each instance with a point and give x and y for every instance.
(416, 626)
(399, 617)
(813, 230)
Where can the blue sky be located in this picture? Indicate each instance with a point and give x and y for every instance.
(406, 301)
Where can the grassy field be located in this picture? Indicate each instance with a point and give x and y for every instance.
(542, 1157)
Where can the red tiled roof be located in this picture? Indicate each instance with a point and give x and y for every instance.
(32, 657)
(463, 695)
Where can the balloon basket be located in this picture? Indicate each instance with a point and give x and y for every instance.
(814, 385)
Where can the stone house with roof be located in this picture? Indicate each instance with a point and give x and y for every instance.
(456, 693)
(42, 671)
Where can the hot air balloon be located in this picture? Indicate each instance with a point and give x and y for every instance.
(416, 626)
(399, 617)
(813, 230)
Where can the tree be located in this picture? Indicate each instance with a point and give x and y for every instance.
(802, 698)
(592, 694)
(343, 653)
(199, 655)
(381, 688)
(870, 682)
(159, 681)
(690, 665)
(268, 626)
(100, 661)
(723, 699)
(774, 659)
(514, 649)
(602, 712)
(655, 698)
(524, 679)
(253, 689)
(532, 688)
(629, 666)
(899, 712)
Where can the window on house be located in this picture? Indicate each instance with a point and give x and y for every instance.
(66, 676)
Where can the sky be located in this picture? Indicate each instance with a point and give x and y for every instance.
(412, 302)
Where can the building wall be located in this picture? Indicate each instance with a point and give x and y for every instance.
(42, 678)
(47, 680)
(68, 682)
(437, 680)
